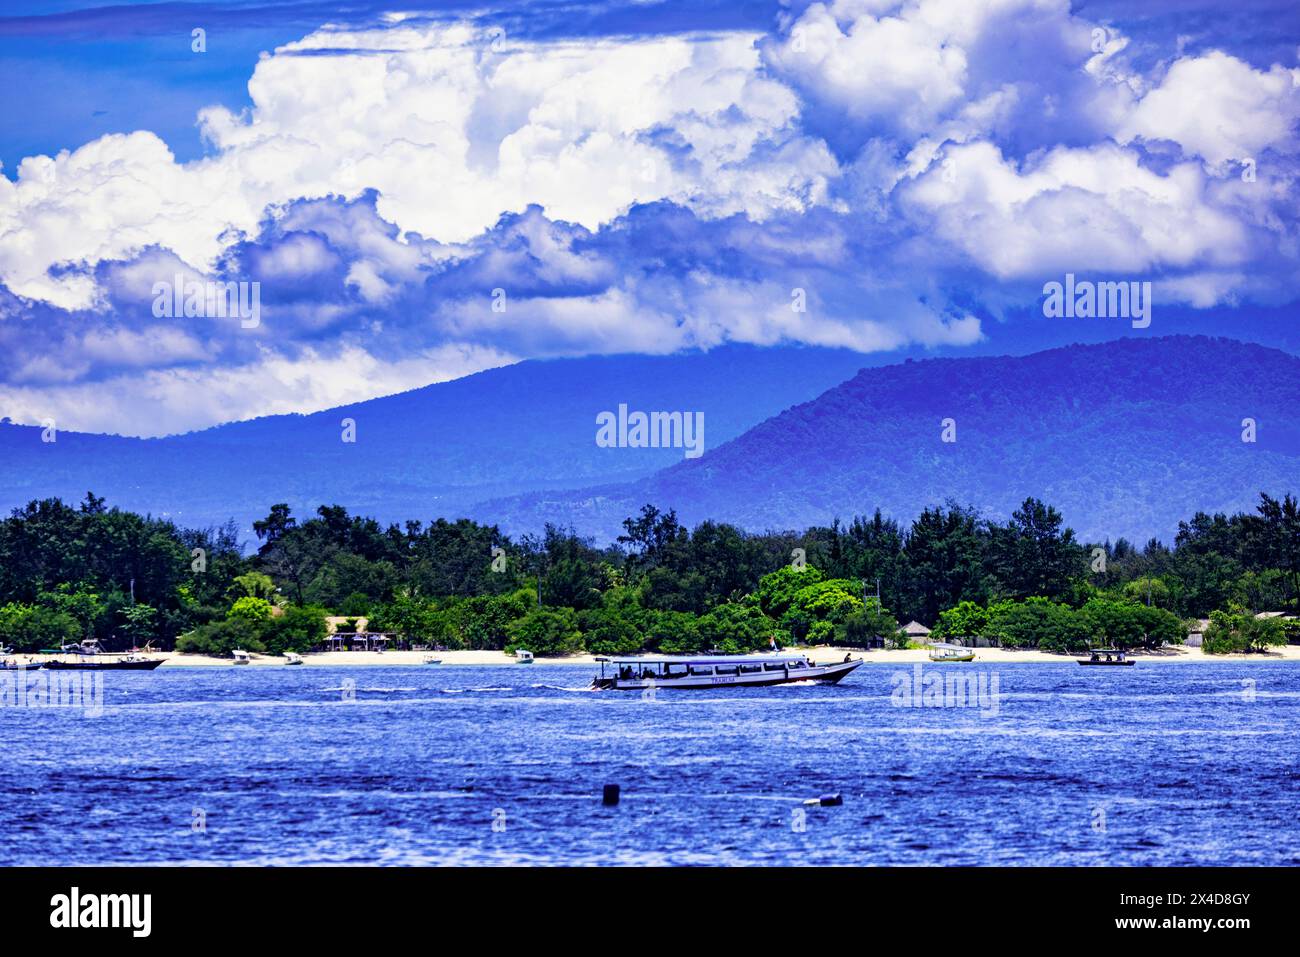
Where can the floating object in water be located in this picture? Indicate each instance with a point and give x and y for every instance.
(523, 657)
(292, 659)
(638, 673)
(827, 800)
(610, 796)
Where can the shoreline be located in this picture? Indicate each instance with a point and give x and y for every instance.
(983, 656)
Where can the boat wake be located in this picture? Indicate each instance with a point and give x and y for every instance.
(463, 690)
(582, 690)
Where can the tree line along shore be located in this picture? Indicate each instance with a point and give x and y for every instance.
(74, 572)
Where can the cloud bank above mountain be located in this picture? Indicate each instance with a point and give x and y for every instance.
(421, 198)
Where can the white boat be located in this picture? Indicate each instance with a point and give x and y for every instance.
(523, 657)
(241, 657)
(290, 658)
(684, 671)
(941, 652)
(430, 660)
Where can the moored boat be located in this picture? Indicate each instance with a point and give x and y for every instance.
(292, 658)
(1106, 656)
(941, 652)
(91, 657)
(523, 657)
(106, 662)
(241, 657)
(684, 671)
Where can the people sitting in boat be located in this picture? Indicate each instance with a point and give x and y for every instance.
(847, 657)
(625, 671)
(647, 673)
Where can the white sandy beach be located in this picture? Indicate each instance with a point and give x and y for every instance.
(332, 659)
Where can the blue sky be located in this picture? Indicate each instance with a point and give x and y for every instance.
(632, 178)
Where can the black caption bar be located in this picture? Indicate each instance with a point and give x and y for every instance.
(332, 906)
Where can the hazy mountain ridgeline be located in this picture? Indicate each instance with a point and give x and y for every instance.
(430, 452)
(1126, 438)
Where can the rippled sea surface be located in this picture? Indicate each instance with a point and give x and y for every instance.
(1153, 764)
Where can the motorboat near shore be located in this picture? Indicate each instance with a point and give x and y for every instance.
(1106, 656)
(107, 662)
(91, 657)
(941, 652)
(683, 671)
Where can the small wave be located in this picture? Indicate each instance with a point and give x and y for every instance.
(584, 688)
(375, 690)
(463, 690)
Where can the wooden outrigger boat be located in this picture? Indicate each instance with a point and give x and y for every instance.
(684, 671)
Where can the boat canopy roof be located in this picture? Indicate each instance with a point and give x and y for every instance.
(701, 659)
(947, 647)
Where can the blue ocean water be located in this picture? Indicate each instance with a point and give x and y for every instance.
(1154, 764)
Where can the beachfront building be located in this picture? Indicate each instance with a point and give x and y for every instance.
(352, 633)
(916, 631)
(1196, 633)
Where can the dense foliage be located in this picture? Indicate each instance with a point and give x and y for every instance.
(88, 571)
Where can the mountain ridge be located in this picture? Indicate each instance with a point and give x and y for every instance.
(1097, 430)
(424, 453)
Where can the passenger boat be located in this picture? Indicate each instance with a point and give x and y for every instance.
(1113, 656)
(107, 663)
(241, 657)
(292, 658)
(940, 652)
(684, 671)
(91, 657)
(523, 657)
(431, 660)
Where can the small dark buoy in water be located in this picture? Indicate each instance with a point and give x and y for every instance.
(827, 800)
(610, 797)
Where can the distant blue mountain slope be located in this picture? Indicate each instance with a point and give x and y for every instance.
(1125, 438)
(435, 451)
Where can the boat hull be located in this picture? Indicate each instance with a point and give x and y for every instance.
(104, 665)
(822, 674)
(1108, 664)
